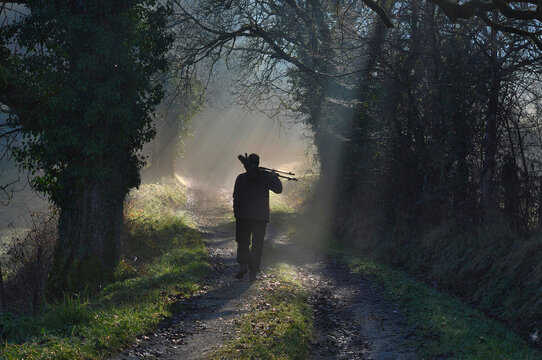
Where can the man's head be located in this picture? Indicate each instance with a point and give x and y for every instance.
(251, 164)
(254, 159)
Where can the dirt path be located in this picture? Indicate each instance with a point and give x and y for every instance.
(352, 321)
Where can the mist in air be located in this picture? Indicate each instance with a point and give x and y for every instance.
(224, 129)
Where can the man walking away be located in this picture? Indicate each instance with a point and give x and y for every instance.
(251, 210)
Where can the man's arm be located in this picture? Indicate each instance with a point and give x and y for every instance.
(273, 183)
(236, 196)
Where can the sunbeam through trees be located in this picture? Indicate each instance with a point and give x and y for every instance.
(415, 124)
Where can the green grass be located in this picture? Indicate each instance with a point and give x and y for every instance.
(443, 326)
(280, 325)
(281, 211)
(166, 195)
(164, 260)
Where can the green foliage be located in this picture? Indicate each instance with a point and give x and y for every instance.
(94, 89)
(89, 71)
(81, 327)
(444, 326)
(280, 325)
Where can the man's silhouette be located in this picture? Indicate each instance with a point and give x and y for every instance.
(251, 210)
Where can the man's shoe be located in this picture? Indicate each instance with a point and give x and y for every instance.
(243, 269)
(252, 276)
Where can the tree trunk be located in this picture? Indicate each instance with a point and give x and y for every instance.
(2, 291)
(539, 209)
(512, 189)
(357, 127)
(89, 237)
(489, 143)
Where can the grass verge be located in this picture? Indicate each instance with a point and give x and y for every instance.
(281, 211)
(443, 326)
(280, 325)
(164, 259)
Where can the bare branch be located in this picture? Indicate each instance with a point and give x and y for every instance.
(475, 8)
(511, 30)
(380, 12)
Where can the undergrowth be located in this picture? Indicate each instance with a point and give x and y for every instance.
(490, 266)
(444, 327)
(280, 325)
(164, 259)
(281, 210)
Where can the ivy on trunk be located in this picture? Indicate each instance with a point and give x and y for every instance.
(89, 67)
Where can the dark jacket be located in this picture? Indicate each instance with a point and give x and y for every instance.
(251, 195)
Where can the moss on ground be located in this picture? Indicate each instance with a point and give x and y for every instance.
(280, 325)
(164, 259)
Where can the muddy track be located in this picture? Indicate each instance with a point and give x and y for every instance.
(352, 320)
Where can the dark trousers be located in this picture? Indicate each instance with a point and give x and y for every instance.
(244, 230)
